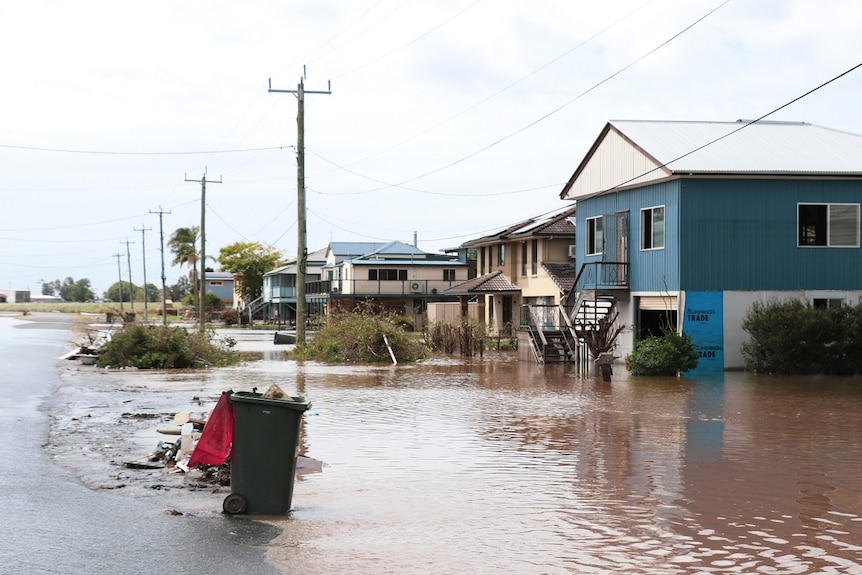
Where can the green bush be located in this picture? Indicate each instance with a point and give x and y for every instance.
(667, 354)
(361, 336)
(160, 347)
(793, 337)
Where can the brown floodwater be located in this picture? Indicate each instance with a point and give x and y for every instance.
(490, 465)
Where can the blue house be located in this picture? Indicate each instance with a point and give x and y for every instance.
(687, 224)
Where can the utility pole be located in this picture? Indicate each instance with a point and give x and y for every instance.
(162, 250)
(131, 285)
(120, 283)
(301, 248)
(144, 251)
(202, 292)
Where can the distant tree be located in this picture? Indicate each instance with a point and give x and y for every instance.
(249, 261)
(153, 293)
(113, 292)
(50, 288)
(79, 291)
(179, 290)
(183, 244)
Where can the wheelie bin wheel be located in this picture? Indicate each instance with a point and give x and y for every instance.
(235, 504)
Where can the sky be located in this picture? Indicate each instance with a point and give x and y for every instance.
(446, 120)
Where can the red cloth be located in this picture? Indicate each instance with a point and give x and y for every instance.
(213, 446)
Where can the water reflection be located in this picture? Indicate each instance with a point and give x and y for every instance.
(498, 466)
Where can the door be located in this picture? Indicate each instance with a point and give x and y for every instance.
(622, 255)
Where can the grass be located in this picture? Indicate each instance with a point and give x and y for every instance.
(100, 308)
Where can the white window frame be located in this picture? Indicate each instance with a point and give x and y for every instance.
(650, 229)
(831, 220)
(595, 236)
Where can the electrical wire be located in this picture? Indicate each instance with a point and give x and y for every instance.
(114, 153)
(743, 126)
(568, 103)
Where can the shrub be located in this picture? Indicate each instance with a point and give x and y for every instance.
(793, 337)
(160, 347)
(230, 316)
(445, 337)
(667, 354)
(361, 336)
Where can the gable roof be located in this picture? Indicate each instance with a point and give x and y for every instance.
(394, 253)
(315, 259)
(494, 282)
(556, 223)
(563, 275)
(632, 152)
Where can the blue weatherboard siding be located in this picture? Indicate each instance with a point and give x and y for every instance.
(741, 234)
(652, 270)
(730, 234)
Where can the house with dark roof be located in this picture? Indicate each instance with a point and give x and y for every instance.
(686, 224)
(524, 271)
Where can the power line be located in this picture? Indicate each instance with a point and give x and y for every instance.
(569, 102)
(744, 125)
(144, 251)
(510, 85)
(301, 250)
(114, 153)
(161, 212)
(202, 300)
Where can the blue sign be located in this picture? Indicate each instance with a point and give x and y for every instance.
(703, 320)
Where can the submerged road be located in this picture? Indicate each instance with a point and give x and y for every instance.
(54, 524)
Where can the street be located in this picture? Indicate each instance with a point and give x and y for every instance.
(53, 524)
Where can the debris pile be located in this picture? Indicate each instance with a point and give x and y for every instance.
(89, 352)
(203, 445)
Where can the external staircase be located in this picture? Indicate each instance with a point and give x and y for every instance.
(577, 327)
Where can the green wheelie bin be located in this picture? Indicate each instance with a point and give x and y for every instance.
(263, 453)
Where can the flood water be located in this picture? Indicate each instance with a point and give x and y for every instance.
(490, 465)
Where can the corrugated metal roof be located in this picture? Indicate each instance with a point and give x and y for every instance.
(764, 147)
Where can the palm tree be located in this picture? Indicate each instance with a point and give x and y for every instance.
(183, 244)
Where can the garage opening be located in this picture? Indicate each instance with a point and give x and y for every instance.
(656, 314)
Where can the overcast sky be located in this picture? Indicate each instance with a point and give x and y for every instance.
(447, 119)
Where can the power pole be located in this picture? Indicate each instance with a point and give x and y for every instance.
(301, 249)
(162, 250)
(120, 284)
(202, 292)
(131, 285)
(144, 251)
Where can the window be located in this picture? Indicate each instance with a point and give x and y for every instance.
(448, 275)
(827, 303)
(535, 268)
(385, 274)
(501, 255)
(523, 258)
(482, 261)
(595, 236)
(652, 228)
(828, 225)
(216, 283)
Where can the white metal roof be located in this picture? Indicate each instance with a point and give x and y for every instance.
(764, 147)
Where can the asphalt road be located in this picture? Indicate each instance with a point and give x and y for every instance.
(54, 524)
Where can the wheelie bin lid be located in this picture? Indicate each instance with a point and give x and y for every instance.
(288, 402)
